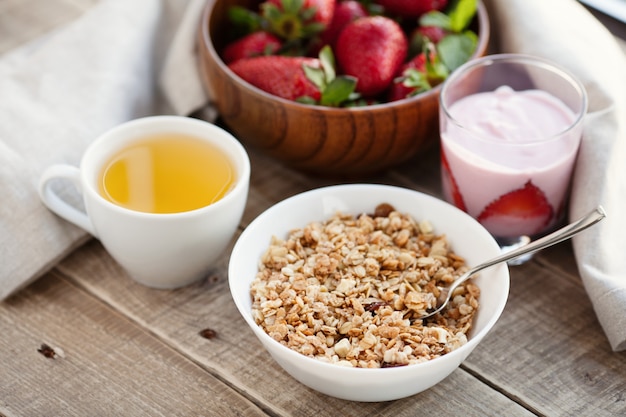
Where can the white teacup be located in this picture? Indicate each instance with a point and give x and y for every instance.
(159, 250)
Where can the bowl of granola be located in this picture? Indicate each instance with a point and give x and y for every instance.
(333, 281)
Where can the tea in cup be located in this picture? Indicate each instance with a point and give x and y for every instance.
(166, 173)
(163, 194)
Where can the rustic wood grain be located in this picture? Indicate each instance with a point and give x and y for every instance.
(104, 363)
(548, 350)
(236, 356)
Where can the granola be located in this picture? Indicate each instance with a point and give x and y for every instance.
(345, 291)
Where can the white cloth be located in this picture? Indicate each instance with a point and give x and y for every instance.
(56, 96)
(574, 39)
(124, 59)
(179, 79)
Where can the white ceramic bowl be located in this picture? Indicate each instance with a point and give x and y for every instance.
(466, 236)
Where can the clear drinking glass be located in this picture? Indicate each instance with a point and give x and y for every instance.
(510, 128)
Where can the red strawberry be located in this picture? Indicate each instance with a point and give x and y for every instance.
(417, 75)
(433, 33)
(254, 44)
(324, 10)
(449, 183)
(372, 49)
(418, 62)
(411, 8)
(345, 12)
(279, 75)
(424, 37)
(298, 19)
(524, 211)
(399, 89)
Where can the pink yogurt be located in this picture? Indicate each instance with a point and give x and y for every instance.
(507, 140)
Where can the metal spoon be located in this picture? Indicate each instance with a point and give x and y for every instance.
(553, 238)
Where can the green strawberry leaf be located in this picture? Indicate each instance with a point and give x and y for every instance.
(462, 14)
(316, 76)
(292, 6)
(306, 100)
(418, 80)
(372, 7)
(323, 76)
(271, 11)
(245, 20)
(436, 18)
(308, 13)
(436, 71)
(338, 91)
(457, 18)
(456, 49)
(327, 60)
(291, 21)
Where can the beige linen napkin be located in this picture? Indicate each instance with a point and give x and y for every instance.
(574, 39)
(56, 96)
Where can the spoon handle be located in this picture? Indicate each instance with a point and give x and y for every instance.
(553, 238)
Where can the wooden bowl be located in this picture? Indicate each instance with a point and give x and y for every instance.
(317, 139)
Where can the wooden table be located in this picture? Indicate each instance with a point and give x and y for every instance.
(85, 340)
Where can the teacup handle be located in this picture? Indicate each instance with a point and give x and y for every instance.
(56, 203)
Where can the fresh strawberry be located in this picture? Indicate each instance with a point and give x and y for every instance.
(423, 35)
(307, 80)
(297, 19)
(411, 8)
(279, 75)
(432, 33)
(449, 183)
(324, 10)
(372, 49)
(524, 211)
(345, 12)
(418, 63)
(417, 75)
(254, 44)
(399, 89)
(402, 87)
(448, 32)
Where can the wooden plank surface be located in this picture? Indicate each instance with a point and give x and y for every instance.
(103, 365)
(548, 349)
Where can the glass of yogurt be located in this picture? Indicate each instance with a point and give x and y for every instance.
(510, 128)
